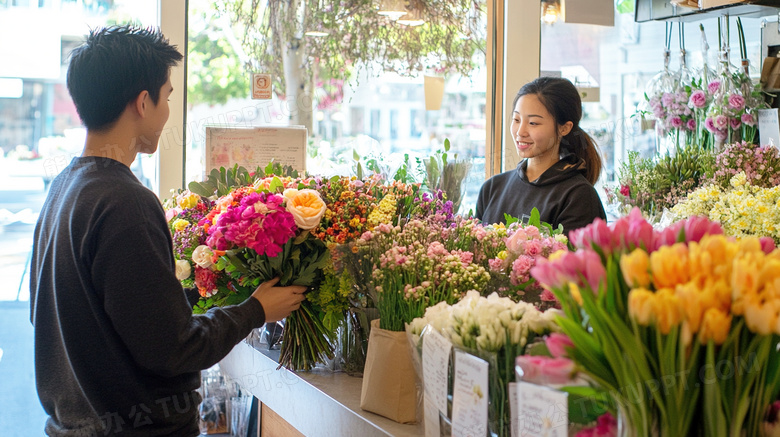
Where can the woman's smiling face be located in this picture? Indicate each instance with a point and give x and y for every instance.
(534, 129)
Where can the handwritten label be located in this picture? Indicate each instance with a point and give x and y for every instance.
(470, 396)
(255, 146)
(541, 411)
(435, 361)
(431, 417)
(768, 127)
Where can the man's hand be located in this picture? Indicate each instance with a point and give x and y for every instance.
(278, 302)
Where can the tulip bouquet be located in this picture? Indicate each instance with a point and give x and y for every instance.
(494, 328)
(653, 315)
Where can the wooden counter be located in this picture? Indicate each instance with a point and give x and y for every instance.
(316, 403)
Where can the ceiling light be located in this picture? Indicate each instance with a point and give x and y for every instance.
(412, 18)
(551, 10)
(394, 9)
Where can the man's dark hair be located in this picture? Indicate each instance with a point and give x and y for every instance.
(113, 66)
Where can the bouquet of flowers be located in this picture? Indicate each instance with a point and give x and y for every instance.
(494, 328)
(761, 165)
(649, 312)
(253, 234)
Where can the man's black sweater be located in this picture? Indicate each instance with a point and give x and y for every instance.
(561, 194)
(117, 348)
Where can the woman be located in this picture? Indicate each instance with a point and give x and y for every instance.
(560, 162)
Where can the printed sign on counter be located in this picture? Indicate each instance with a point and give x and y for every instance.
(470, 396)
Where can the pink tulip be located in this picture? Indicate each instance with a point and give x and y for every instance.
(557, 344)
(767, 244)
(594, 234)
(544, 370)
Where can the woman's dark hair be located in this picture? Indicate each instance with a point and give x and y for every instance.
(113, 66)
(562, 100)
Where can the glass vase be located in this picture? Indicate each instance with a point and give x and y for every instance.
(353, 340)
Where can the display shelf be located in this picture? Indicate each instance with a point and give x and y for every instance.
(320, 402)
(662, 10)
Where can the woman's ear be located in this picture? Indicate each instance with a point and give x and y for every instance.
(565, 128)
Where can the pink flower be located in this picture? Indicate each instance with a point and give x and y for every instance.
(496, 264)
(709, 124)
(171, 213)
(545, 370)
(748, 119)
(721, 121)
(595, 234)
(548, 296)
(667, 99)
(532, 232)
(625, 190)
(606, 426)
(713, 86)
(571, 267)
(693, 228)
(515, 241)
(736, 102)
(557, 344)
(533, 247)
(767, 244)
(698, 99)
(691, 124)
(521, 268)
(675, 122)
(734, 122)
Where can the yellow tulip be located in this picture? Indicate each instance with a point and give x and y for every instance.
(745, 279)
(690, 297)
(761, 316)
(669, 265)
(715, 326)
(636, 268)
(641, 303)
(668, 310)
(575, 292)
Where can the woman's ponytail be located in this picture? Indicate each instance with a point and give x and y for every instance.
(585, 147)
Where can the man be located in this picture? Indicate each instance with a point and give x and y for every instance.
(117, 348)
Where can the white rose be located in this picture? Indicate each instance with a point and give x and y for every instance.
(183, 269)
(202, 256)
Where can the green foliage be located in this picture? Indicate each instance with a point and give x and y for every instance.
(214, 71)
(221, 182)
(357, 36)
(443, 173)
(535, 220)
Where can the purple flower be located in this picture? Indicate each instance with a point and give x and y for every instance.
(698, 99)
(713, 86)
(736, 102)
(691, 124)
(735, 123)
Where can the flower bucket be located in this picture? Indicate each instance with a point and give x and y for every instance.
(390, 386)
